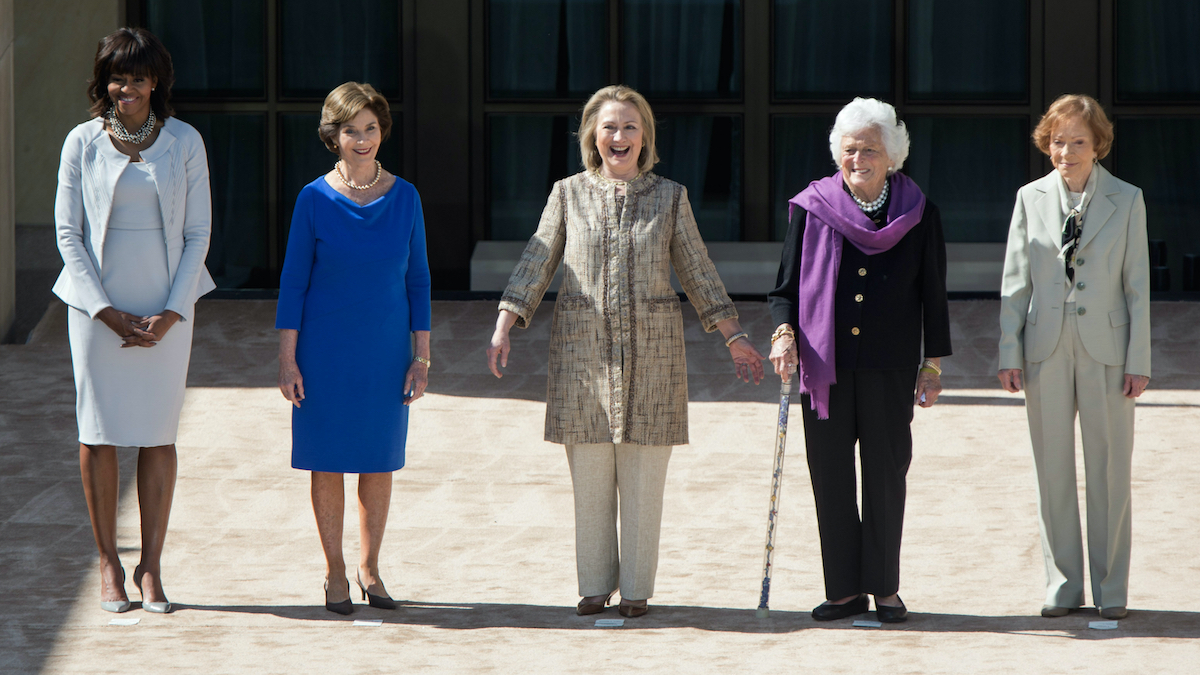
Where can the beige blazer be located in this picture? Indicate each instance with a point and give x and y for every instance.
(87, 179)
(617, 370)
(1112, 276)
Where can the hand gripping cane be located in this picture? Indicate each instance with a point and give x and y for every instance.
(785, 394)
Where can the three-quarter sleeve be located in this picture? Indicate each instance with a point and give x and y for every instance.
(417, 280)
(297, 264)
(69, 229)
(689, 257)
(539, 261)
(784, 301)
(935, 308)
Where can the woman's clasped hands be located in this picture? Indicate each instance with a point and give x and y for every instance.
(138, 331)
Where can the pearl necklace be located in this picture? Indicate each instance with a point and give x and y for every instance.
(868, 207)
(119, 130)
(378, 172)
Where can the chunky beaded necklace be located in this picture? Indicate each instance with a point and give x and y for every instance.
(378, 172)
(868, 207)
(119, 130)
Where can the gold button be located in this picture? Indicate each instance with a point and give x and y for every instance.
(862, 271)
(858, 298)
(854, 331)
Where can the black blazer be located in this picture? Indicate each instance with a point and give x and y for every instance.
(890, 297)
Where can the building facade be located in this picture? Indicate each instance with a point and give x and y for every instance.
(486, 94)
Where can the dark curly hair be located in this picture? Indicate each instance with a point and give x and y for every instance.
(132, 51)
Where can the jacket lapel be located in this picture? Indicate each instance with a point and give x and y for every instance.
(1101, 208)
(1049, 208)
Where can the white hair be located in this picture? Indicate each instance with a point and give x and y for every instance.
(869, 113)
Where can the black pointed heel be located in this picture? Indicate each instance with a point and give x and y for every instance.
(345, 607)
(377, 601)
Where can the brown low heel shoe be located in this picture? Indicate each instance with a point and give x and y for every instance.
(632, 611)
(588, 606)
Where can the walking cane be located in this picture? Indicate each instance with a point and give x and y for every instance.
(785, 395)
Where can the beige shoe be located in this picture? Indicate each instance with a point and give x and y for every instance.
(1050, 611)
(1113, 612)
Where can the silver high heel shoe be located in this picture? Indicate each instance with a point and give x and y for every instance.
(152, 607)
(117, 606)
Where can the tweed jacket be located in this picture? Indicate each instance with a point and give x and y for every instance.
(87, 179)
(617, 371)
(1112, 276)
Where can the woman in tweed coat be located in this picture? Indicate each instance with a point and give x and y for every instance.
(617, 391)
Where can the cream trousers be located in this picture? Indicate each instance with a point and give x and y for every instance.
(1069, 381)
(602, 472)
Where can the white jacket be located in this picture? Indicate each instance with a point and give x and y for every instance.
(87, 178)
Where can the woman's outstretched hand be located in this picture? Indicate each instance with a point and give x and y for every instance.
(499, 347)
(747, 361)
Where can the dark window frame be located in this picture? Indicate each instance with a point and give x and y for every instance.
(275, 104)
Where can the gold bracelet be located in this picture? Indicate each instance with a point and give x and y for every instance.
(931, 367)
(735, 337)
(784, 329)
(422, 359)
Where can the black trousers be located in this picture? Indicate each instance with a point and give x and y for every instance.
(875, 409)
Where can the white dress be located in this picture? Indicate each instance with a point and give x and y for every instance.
(130, 397)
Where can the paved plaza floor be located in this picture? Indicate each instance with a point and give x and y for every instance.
(480, 541)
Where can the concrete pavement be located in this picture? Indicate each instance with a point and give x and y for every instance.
(480, 541)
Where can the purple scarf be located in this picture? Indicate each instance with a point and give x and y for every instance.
(833, 217)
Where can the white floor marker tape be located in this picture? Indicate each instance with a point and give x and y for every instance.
(369, 623)
(610, 623)
(861, 623)
(124, 622)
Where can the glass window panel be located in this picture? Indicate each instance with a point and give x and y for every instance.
(704, 153)
(527, 153)
(683, 48)
(304, 158)
(547, 48)
(238, 252)
(809, 44)
(801, 149)
(1155, 155)
(977, 202)
(324, 45)
(951, 56)
(217, 46)
(1157, 54)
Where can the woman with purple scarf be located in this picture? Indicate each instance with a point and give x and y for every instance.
(862, 283)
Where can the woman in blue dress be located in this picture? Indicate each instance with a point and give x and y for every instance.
(355, 284)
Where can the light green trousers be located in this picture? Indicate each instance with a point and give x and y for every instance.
(1069, 381)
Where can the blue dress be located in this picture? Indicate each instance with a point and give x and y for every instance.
(355, 283)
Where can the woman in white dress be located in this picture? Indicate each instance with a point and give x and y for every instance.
(133, 220)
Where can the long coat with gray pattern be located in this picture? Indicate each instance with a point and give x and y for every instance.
(617, 369)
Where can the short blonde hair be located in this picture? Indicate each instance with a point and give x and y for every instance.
(344, 103)
(1075, 105)
(591, 113)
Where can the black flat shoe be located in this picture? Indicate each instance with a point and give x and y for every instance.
(377, 601)
(887, 614)
(830, 612)
(345, 607)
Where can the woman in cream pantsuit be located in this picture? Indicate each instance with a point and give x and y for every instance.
(1075, 321)
(133, 220)
(617, 386)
